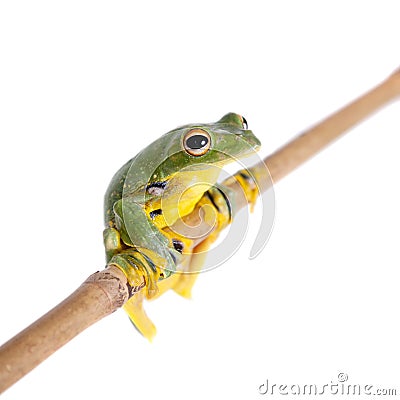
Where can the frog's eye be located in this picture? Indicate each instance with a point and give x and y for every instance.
(244, 123)
(197, 142)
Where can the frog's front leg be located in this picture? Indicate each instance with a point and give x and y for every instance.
(137, 230)
(143, 253)
(137, 266)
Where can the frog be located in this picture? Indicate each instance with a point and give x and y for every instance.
(158, 187)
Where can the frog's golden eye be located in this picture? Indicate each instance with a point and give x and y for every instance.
(245, 125)
(197, 142)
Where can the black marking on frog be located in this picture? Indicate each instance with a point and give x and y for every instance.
(246, 177)
(211, 198)
(150, 262)
(178, 245)
(156, 188)
(228, 203)
(155, 213)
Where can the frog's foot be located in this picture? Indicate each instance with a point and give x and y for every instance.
(165, 285)
(184, 284)
(182, 246)
(139, 269)
(171, 282)
(143, 272)
(139, 318)
(249, 186)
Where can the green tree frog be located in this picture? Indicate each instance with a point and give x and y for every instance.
(155, 189)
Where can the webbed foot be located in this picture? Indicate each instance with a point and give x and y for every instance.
(134, 308)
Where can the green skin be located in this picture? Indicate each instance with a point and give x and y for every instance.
(127, 222)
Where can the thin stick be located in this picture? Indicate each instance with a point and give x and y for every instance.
(106, 291)
(100, 295)
(300, 149)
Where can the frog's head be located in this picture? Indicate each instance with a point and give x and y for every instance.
(198, 145)
(228, 137)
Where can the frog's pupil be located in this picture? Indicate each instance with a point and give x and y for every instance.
(196, 142)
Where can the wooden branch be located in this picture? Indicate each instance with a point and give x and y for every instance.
(100, 295)
(104, 292)
(302, 148)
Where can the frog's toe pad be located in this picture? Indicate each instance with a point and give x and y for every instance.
(183, 287)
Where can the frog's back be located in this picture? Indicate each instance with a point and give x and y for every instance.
(131, 179)
(114, 193)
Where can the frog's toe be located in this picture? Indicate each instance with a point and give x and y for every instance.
(112, 242)
(184, 285)
(139, 318)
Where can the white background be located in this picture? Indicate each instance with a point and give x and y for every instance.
(85, 85)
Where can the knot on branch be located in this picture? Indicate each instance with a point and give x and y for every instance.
(114, 283)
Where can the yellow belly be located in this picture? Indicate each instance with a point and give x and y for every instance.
(184, 190)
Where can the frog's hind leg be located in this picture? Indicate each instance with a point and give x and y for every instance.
(187, 278)
(134, 308)
(184, 246)
(165, 285)
(140, 268)
(181, 276)
(218, 212)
